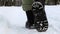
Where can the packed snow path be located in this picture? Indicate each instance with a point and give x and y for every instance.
(12, 20)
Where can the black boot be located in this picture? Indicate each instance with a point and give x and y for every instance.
(30, 20)
(40, 21)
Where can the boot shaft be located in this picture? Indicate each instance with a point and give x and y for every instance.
(42, 2)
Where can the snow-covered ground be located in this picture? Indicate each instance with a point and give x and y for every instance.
(12, 20)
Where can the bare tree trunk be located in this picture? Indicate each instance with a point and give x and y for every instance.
(58, 1)
(8, 3)
(1, 3)
(18, 2)
(52, 2)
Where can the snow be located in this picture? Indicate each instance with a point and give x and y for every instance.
(13, 19)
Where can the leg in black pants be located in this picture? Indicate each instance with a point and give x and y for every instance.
(30, 20)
